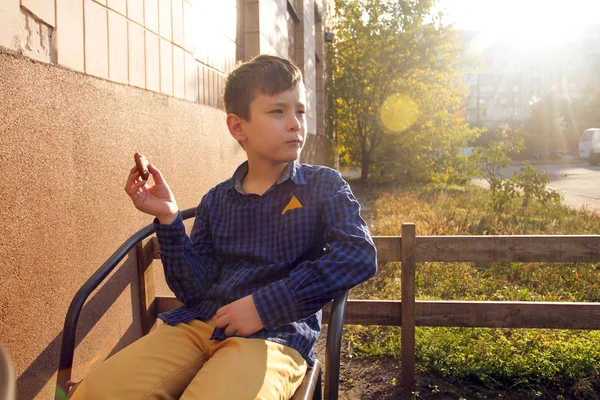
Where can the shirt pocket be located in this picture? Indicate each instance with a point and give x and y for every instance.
(296, 233)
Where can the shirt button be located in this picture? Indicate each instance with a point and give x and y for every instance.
(261, 239)
(261, 201)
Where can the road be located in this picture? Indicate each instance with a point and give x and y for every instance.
(577, 182)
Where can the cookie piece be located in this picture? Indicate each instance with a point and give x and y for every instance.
(142, 165)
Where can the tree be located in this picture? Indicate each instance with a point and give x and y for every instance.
(557, 122)
(581, 114)
(388, 58)
(546, 129)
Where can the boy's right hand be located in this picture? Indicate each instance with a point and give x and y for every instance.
(157, 200)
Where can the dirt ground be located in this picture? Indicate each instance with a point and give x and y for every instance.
(380, 378)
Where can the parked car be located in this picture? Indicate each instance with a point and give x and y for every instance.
(589, 146)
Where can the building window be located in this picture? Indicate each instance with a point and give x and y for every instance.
(292, 21)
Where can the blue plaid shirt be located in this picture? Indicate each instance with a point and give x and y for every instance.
(296, 247)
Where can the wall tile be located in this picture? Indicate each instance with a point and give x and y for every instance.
(164, 19)
(119, 6)
(69, 38)
(251, 17)
(201, 83)
(200, 49)
(10, 28)
(42, 9)
(36, 38)
(96, 39)
(191, 79)
(220, 87)
(178, 72)
(135, 11)
(137, 53)
(118, 65)
(151, 15)
(189, 27)
(229, 27)
(177, 18)
(210, 82)
(252, 47)
(166, 67)
(152, 62)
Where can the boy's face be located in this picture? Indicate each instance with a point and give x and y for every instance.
(276, 129)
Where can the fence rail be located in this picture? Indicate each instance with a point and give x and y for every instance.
(408, 313)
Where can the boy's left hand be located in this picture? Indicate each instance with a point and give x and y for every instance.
(239, 318)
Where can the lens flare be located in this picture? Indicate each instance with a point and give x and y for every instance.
(399, 112)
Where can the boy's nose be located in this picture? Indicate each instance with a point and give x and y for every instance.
(295, 124)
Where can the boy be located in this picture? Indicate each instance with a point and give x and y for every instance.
(268, 249)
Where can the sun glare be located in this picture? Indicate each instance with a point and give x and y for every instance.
(523, 22)
(398, 112)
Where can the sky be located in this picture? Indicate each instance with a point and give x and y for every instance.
(523, 21)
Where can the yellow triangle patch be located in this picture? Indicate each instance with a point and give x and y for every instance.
(294, 203)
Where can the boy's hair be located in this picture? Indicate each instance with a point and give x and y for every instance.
(264, 74)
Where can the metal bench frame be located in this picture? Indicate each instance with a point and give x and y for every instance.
(310, 387)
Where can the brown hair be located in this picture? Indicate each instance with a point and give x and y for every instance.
(264, 74)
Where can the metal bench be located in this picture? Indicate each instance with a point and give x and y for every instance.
(7, 377)
(151, 306)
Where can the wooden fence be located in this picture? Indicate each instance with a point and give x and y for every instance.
(410, 249)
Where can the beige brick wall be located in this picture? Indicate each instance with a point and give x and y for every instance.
(158, 45)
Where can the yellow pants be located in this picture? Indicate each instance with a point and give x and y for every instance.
(181, 361)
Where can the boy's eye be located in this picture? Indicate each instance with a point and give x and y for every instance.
(278, 111)
(301, 112)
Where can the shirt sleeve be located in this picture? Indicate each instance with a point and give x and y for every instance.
(188, 262)
(350, 258)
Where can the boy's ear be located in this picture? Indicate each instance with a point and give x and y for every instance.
(236, 127)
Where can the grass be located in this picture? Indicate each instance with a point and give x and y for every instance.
(503, 358)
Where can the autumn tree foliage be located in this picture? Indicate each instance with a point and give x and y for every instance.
(395, 91)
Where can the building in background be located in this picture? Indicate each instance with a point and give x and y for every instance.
(505, 79)
(83, 85)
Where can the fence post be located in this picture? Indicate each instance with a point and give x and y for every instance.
(408, 305)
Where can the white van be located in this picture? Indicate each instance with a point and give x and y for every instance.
(589, 146)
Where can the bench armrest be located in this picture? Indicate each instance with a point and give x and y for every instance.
(333, 347)
(334, 331)
(67, 349)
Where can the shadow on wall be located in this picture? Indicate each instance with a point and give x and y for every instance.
(34, 378)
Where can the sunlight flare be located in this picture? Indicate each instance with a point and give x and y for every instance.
(399, 112)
